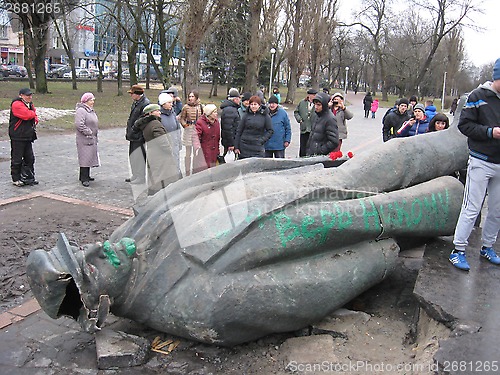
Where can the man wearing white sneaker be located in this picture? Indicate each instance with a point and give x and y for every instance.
(479, 122)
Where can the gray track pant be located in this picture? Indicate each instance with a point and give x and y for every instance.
(482, 177)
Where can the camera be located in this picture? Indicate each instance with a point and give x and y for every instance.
(335, 102)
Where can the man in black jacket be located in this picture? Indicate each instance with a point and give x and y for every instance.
(394, 119)
(324, 137)
(136, 150)
(230, 119)
(22, 133)
(479, 123)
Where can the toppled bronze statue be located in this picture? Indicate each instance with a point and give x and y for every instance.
(258, 246)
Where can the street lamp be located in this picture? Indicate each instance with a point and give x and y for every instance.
(345, 83)
(444, 93)
(273, 51)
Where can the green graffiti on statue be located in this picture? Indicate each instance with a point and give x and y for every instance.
(312, 227)
(403, 214)
(110, 254)
(129, 245)
(398, 215)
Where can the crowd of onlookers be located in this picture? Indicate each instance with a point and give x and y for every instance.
(245, 125)
(408, 118)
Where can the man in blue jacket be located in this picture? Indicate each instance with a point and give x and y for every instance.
(479, 121)
(280, 140)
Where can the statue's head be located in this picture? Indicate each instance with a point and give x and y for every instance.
(80, 282)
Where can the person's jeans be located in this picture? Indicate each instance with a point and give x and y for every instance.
(275, 153)
(304, 137)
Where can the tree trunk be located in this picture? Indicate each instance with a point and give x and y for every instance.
(28, 57)
(254, 49)
(132, 60)
(191, 70)
(37, 33)
(292, 62)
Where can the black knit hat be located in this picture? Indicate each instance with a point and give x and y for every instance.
(246, 96)
(273, 99)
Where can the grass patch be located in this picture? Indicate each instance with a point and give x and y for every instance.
(113, 110)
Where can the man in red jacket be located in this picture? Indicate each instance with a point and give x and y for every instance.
(22, 133)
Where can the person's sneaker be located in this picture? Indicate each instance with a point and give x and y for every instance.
(86, 183)
(489, 253)
(18, 183)
(458, 260)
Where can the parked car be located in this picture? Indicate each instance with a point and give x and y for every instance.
(152, 73)
(80, 73)
(93, 72)
(125, 74)
(55, 66)
(5, 70)
(14, 70)
(59, 72)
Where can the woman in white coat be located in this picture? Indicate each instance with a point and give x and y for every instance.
(86, 126)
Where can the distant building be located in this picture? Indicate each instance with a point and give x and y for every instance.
(11, 40)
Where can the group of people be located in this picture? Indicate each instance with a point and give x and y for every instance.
(248, 127)
(322, 120)
(479, 123)
(408, 118)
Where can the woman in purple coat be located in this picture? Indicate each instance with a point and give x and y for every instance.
(86, 126)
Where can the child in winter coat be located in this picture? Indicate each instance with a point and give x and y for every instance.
(374, 107)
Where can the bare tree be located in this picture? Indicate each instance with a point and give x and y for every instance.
(62, 26)
(446, 16)
(321, 17)
(373, 19)
(262, 16)
(199, 16)
(35, 16)
(297, 56)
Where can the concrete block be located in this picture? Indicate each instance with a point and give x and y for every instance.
(118, 349)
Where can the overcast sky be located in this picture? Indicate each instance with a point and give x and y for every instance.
(481, 47)
(484, 47)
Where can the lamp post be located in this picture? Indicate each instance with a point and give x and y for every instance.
(444, 93)
(273, 51)
(345, 83)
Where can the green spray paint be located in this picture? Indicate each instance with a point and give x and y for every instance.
(110, 254)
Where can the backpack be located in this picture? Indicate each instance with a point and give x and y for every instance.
(393, 109)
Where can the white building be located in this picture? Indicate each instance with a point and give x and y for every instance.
(11, 41)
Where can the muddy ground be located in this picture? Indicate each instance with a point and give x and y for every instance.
(386, 332)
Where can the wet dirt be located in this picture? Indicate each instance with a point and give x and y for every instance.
(35, 224)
